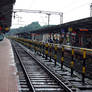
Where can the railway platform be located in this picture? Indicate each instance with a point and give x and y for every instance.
(8, 75)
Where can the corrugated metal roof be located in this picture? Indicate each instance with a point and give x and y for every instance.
(82, 23)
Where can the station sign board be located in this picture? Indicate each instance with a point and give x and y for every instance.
(83, 29)
(70, 29)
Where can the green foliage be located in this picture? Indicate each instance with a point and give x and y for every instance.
(31, 27)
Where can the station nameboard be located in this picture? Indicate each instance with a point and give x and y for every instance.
(83, 29)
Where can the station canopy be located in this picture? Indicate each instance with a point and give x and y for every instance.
(6, 8)
(85, 23)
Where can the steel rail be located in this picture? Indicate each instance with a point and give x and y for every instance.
(67, 89)
(24, 70)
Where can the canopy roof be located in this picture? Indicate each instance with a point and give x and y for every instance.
(6, 7)
(78, 24)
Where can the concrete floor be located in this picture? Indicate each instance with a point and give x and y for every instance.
(8, 75)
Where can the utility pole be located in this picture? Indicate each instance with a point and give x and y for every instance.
(61, 18)
(48, 14)
(91, 10)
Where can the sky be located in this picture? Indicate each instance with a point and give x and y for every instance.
(72, 10)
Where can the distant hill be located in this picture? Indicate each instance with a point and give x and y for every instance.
(31, 27)
(28, 28)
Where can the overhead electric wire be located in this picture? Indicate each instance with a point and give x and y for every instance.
(77, 7)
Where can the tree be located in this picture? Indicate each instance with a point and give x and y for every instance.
(31, 27)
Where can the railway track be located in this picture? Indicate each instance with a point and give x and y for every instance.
(35, 76)
(23, 84)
